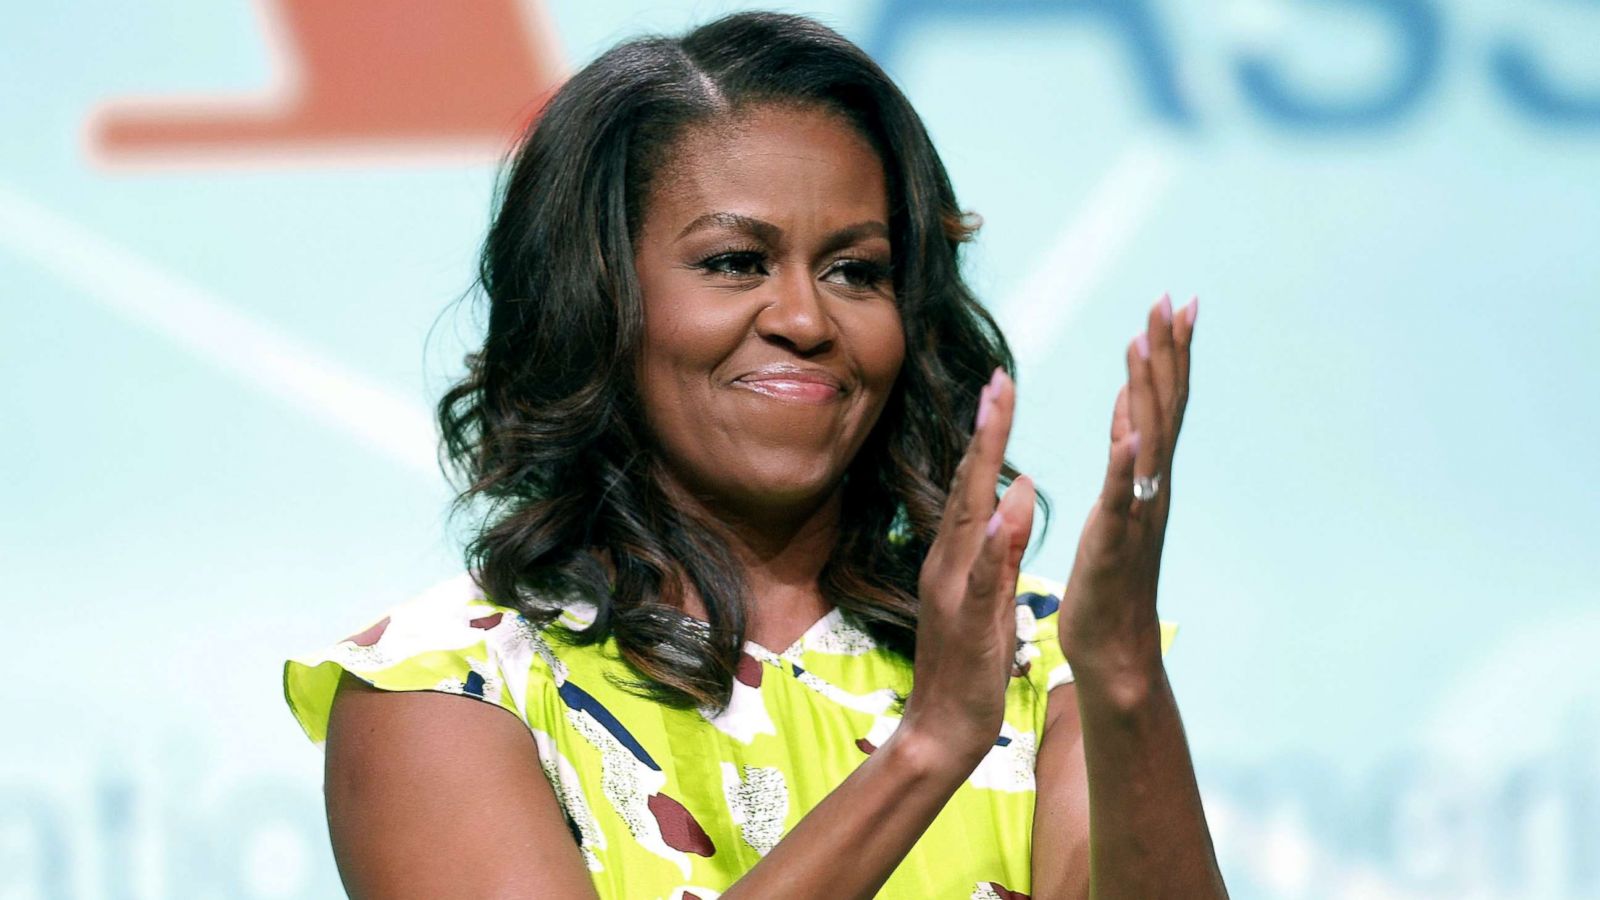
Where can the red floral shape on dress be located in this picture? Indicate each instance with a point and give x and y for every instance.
(679, 829)
(748, 671)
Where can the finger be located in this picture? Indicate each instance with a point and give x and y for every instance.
(1116, 495)
(994, 582)
(1121, 424)
(1143, 407)
(1163, 356)
(1183, 337)
(971, 499)
(983, 578)
(1017, 506)
(986, 579)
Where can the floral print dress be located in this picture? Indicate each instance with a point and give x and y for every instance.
(676, 804)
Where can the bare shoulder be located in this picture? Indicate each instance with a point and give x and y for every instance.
(431, 795)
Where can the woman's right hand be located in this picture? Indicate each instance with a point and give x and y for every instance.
(967, 626)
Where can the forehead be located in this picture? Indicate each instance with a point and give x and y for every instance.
(773, 162)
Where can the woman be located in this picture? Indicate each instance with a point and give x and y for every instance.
(738, 427)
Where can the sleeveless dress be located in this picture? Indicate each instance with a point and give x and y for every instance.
(676, 804)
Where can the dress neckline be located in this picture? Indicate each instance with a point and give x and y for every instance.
(820, 626)
(579, 613)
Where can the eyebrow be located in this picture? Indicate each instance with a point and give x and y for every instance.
(770, 233)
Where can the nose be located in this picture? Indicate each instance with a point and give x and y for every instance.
(795, 315)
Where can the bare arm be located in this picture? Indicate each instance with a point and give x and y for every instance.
(435, 795)
(1150, 837)
(1061, 810)
(1119, 810)
(871, 820)
(1128, 771)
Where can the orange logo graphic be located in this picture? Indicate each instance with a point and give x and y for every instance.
(364, 79)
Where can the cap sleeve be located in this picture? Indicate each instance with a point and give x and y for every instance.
(1039, 628)
(448, 639)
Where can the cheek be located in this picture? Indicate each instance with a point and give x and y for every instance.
(883, 353)
(688, 337)
(683, 328)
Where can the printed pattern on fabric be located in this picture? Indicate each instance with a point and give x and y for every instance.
(676, 804)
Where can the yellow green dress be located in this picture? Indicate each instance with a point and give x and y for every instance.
(676, 804)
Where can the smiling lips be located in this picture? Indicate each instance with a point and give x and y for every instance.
(793, 383)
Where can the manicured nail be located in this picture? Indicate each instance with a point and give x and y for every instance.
(1193, 309)
(1134, 440)
(1142, 342)
(983, 408)
(1166, 307)
(994, 524)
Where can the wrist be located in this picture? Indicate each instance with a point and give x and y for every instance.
(931, 756)
(1126, 648)
(1120, 679)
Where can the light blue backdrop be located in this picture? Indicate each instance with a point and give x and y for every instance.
(1384, 549)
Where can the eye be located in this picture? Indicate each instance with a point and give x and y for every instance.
(736, 262)
(858, 274)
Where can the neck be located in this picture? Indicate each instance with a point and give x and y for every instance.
(782, 552)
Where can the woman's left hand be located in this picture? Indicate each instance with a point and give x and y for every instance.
(1108, 622)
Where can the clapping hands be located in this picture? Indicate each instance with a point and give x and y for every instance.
(1108, 620)
(966, 628)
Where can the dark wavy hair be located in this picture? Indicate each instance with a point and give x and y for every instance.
(546, 429)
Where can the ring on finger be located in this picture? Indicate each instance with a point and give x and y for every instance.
(1146, 487)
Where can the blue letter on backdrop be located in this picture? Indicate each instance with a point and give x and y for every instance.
(1417, 32)
(1135, 21)
(1521, 77)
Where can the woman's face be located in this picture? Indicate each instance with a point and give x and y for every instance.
(772, 338)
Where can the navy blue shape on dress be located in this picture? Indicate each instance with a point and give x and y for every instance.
(579, 699)
(1041, 604)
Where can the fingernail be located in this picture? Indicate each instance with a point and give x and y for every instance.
(1194, 309)
(983, 409)
(1166, 307)
(1134, 440)
(994, 524)
(1142, 342)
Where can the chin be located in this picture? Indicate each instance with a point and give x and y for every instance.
(779, 480)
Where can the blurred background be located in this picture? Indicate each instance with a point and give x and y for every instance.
(232, 241)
